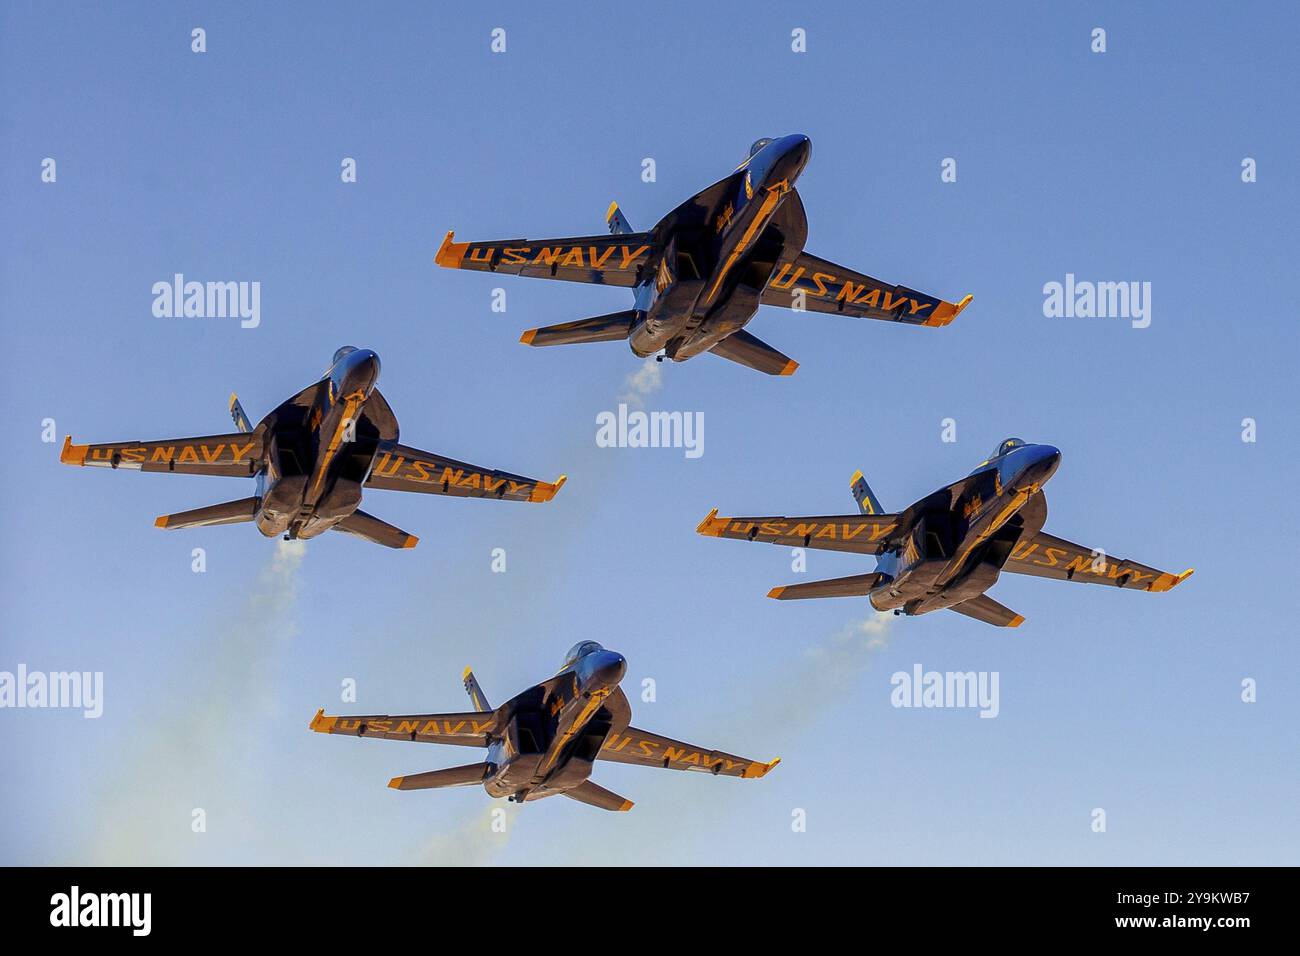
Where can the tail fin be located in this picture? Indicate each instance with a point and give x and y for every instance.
(595, 796)
(475, 692)
(617, 222)
(855, 585)
(228, 512)
(752, 352)
(465, 776)
(237, 413)
(370, 528)
(863, 495)
(601, 328)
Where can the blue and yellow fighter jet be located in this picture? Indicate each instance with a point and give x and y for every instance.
(700, 275)
(311, 457)
(544, 742)
(947, 549)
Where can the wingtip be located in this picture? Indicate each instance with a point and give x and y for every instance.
(396, 783)
(626, 806)
(161, 521)
(410, 542)
(789, 369)
(450, 254)
(759, 769)
(322, 724)
(945, 312)
(528, 336)
(777, 592)
(545, 490)
(712, 525)
(72, 454)
(1016, 621)
(1167, 582)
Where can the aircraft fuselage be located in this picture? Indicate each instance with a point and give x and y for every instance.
(319, 454)
(711, 276)
(956, 551)
(555, 730)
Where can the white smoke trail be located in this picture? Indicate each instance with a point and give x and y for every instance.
(476, 841)
(642, 383)
(191, 758)
(828, 670)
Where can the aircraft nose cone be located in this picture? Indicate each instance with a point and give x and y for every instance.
(362, 372)
(800, 148)
(795, 151)
(1040, 465)
(607, 668)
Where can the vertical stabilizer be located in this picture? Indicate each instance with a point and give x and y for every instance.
(475, 691)
(864, 496)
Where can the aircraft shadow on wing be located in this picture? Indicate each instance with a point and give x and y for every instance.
(947, 550)
(701, 273)
(310, 459)
(545, 741)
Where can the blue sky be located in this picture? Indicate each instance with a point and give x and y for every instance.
(225, 166)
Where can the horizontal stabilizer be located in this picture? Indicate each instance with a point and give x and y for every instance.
(596, 796)
(370, 528)
(855, 585)
(465, 776)
(752, 352)
(228, 512)
(617, 222)
(984, 608)
(614, 327)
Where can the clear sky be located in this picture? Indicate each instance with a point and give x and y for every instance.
(1120, 166)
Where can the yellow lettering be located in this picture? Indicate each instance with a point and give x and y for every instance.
(872, 298)
(629, 259)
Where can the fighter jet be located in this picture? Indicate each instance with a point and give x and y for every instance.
(702, 272)
(947, 549)
(545, 741)
(310, 459)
